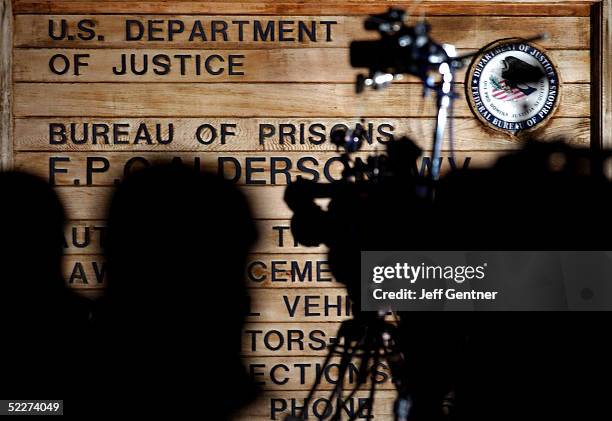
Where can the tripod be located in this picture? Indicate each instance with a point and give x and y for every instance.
(368, 339)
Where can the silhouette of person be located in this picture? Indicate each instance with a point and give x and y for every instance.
(43, 323)
(500, 365)
(544, 364)
(175, 304)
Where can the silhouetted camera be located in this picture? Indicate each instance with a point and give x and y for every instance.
(402, 49)
(384, 202)
(387, 183)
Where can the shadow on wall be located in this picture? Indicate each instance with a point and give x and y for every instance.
(546, 196)
(175, 304)
(168, 331)
(42, 322)
(167, 334)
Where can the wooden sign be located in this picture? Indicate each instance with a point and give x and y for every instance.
(92, 90)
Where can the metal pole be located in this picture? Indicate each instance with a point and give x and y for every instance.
(444, 96)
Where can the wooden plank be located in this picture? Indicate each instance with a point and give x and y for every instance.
(91, 202)
(277, 405)
(296, 305)
(85, 272)
(250, 168)
(261, 134)
(435, 8)
(375, 417)
(461, 31)
(6, 85)
(601, 74)
(244, 100)
(298, 373)
(572, 65)
(267, 304)
(85, 203)
(597, 73)
(607, 75)
(84, 237)
(268, 403)
(289, 271)
(288, 339)
(299, 305)
(278, 65)
(274, 236)
(294, 271)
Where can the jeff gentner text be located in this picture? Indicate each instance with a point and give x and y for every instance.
(411, 274)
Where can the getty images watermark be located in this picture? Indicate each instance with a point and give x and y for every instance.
(413, 273)
(486, 280)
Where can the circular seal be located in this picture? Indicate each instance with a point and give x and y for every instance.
(513, 86)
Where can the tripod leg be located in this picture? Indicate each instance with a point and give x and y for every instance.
(318, 378)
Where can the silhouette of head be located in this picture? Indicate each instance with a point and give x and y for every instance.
(546, 196)
(38, 313)
(31, 285)
(176, 302)
(530, 199)
(33, 238)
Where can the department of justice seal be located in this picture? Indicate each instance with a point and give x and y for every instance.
(513, 86)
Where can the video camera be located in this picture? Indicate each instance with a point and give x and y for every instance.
(401, 50)
(384, 203)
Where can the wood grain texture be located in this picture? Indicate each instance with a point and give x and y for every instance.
(456, 8)
(85, 272)
(294, 271)
(85, 203)
(288, 370)
(244, 100)
(274, 236)
(270, 405)
(285, 305)
(6, 85)
(271, 65)
(463, 32)
(375, 416)
(243, 168)
(284, 83)
(597, 73)
(314, 305)
(288, 339)
(607, 74)
(84, 237)
(264, 134)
